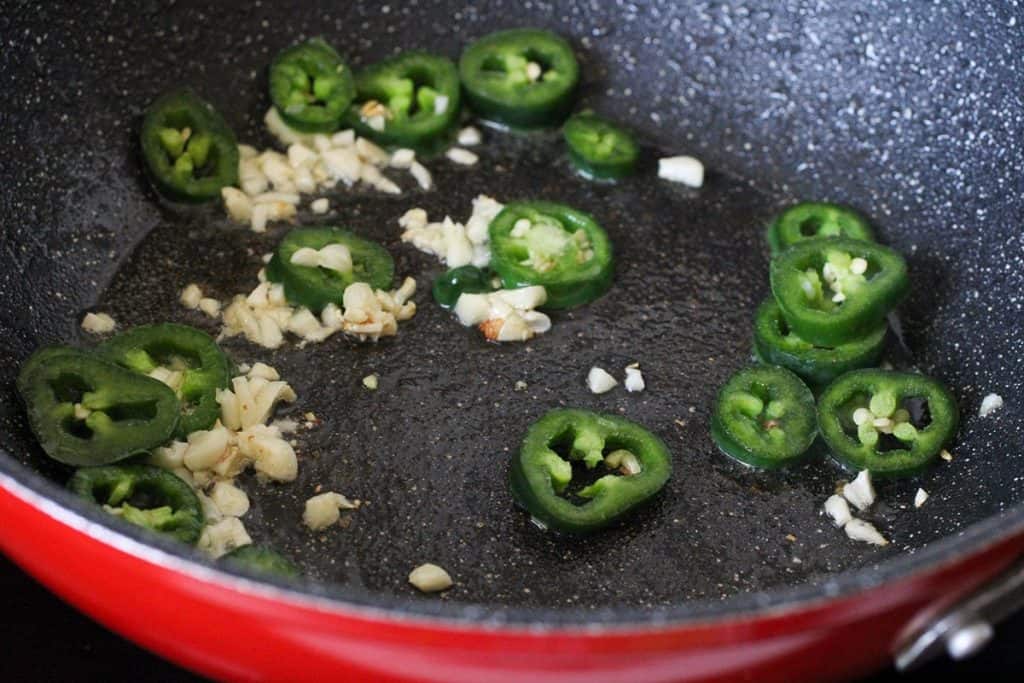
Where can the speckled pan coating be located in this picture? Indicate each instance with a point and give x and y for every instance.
(912, 114)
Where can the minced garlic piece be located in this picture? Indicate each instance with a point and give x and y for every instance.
(600, 381)
(324, 509)
(222, 537)
(505, 315)
(990, 404)
(230, 500)
(860, 492)
(634, 378)
(98, 323)
(859, 530)
(191, 296)
(682, 169)
(456, 244)
(430, 578)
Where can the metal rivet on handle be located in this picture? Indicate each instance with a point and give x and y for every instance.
(969, 639)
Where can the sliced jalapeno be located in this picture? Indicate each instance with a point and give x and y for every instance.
(599, 148)
(776, 344)
(317, 264)
(541, 472)
(311, 87)
(764, 416)
(411, 100)
(186, 359)
(524, 78)
(891, 423)
(834, 289)
(143, 495)
(554, 245)
(190, 151)
(87, 411)
(451, 284)
(808, 220)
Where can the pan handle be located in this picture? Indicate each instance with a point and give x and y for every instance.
(968, 625)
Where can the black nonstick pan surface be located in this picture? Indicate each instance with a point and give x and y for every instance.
(911, 113)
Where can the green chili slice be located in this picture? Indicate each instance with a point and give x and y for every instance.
(891, 423)
(523, 78)
(311, 87)
(776, 344)
(143, 495)
(600, 149)
(410, 100)
(315, 286)
(833, 289)
(808, 220)
(85, 410)
(554, 245)
(541, 473)
(764, 416)
(189, 150)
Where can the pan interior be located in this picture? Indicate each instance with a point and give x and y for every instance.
(428, 450)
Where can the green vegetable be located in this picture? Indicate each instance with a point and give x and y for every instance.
(451, 284)
(415, 94)
(808, 220)
(764, 417)
(776, 344)
(832, 290)
(524, 78)
(87, 411)
(204, 367)
(600, 149)
(189, 150)
(313, 286)
(143, 495)
(541, 473)
(891, 423)
(554, 245)
(311, 87)
(261, 559)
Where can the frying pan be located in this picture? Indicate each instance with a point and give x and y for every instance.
(911, 113)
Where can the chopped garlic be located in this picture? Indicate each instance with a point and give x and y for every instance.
(191, 296)
(230, 500)
(325, 509)
(599, 381)
(838, 510)
(505, 315)
(430, 578)
(469, 136)
(990, 404)
(206, 447)
(320, 206)
(421, 175)
(682, 169)
(634, 379)
(336, 257)
(461, 156)
(456, 244)
(402, 158)
(251, 401)
(98, 323)
(860, 492)
(210, 307)
(371, 381)
(920, 497)
(274, 457)
(859, 530)
(222, 537)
